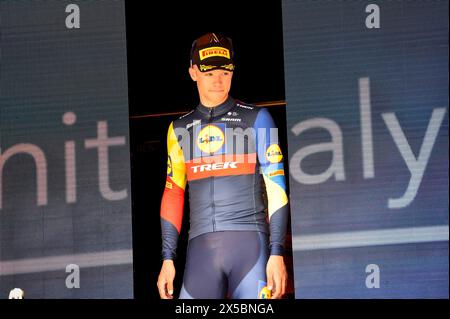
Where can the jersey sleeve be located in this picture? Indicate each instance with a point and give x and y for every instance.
(172, 203)
(270, 159)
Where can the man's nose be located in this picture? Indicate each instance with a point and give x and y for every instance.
(218, 79)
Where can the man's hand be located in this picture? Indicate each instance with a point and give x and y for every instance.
(165, 279)
(276, 276)
(16, 293)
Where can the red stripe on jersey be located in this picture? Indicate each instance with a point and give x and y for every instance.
(221, 165)
(172, 204)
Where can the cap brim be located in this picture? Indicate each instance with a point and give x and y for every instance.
(215, 63)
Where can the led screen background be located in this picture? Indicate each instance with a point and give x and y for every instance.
(367, 121)
(65, 172)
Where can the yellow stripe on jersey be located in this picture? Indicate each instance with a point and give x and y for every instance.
(276, 196)
(176, 168)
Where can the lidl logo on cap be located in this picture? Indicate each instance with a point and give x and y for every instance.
(211, 138)
(169, 166)
(214, 51)
(273, 153)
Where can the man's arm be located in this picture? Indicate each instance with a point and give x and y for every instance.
(171, 212)
(271, 161)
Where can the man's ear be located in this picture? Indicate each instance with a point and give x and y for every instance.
(193, 73)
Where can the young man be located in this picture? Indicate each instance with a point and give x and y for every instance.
(227, 151)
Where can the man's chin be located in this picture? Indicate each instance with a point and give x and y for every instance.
(217, 94)
(218, 98)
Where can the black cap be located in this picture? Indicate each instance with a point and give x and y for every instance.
(212, 51)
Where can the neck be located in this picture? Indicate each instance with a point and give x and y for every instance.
(217, 110)
(211, 104)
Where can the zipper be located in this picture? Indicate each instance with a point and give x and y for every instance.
(212, 181)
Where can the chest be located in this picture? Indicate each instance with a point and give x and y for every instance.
(218, 137)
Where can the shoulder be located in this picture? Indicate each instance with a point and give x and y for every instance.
(183, 120)
(246, 111)
(186, 115)
(250, 108)
(264, 119)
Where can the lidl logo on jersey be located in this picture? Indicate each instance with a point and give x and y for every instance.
(211, 139)
(273, 154)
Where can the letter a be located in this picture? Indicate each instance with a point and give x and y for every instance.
(373, 279)
(73, 19)
(373, 19)
(73, 280)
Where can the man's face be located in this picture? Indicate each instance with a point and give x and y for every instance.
(213, 86)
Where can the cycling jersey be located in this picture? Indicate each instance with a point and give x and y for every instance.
(226, 154)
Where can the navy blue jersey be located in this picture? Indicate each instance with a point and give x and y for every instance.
(231, 158)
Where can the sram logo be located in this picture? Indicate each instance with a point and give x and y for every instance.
(214, 167)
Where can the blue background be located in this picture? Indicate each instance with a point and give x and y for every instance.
(327, 49)
(46, 71)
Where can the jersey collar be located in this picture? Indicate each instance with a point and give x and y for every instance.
(217, 110)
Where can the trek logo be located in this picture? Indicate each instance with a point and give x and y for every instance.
(245, 106)
(220, 165)
(214, 51)
(214, 167)
(273, 154)
(211, 138)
